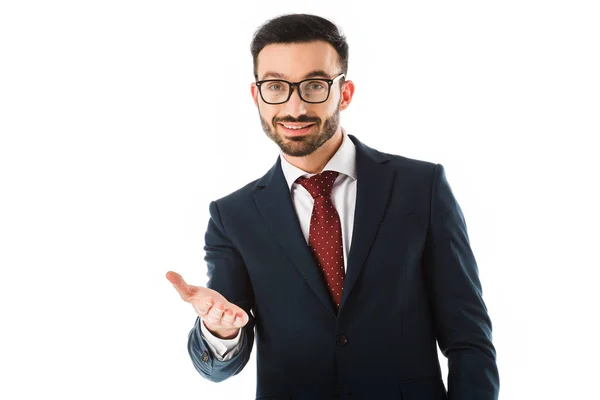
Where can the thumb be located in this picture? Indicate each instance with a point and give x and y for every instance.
(179, 284)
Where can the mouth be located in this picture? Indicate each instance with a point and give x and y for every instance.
(296, 129)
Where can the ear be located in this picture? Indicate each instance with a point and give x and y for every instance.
(254, 92)
(346, 94)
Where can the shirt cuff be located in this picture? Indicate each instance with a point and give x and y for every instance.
(220, 346)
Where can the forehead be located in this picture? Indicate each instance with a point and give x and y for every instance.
(293, 61)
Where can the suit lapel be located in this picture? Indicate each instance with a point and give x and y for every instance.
(375, 177)
(274, 203)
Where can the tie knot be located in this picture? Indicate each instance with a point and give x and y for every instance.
(319, 184)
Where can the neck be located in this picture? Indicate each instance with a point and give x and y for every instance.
(315, 162)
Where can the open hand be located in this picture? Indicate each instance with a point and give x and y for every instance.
(222, 318)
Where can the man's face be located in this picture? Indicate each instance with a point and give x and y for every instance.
(293, 62)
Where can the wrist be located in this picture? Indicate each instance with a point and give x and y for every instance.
(228, 334)
(225, 334)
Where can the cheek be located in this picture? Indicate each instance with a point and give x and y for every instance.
(262, 110)
(331, 109)
(266, 114)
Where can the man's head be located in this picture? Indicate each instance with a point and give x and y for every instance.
(294, 48)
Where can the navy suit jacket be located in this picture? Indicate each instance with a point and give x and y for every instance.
(411, 279)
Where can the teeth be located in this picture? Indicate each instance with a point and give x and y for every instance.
(296, 127)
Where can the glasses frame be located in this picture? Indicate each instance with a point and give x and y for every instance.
(330, 82)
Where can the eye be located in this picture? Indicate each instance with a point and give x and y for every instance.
(314, 86)
(275, 86)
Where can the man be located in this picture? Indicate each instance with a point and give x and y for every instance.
(349, 262)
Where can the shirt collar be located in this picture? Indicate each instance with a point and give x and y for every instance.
(343, 161)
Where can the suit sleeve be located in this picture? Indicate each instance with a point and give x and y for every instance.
(463, 327)
(227, 274)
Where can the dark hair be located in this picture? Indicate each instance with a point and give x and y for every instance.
(299, 28)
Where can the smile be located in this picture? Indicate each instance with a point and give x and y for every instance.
(296, 129)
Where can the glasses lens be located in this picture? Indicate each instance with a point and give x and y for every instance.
(274, 91)
(314, 91)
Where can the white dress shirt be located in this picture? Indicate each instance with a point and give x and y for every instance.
(343, 196)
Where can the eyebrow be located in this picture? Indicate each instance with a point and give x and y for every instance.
(313, 74)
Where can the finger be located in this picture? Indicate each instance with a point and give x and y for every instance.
(228, 318)
(179, 284)
(241, 319)
(237, 316)
(215, 314)
(238, 321)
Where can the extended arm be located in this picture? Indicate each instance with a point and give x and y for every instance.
(227, 275)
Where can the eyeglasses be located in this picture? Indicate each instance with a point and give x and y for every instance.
(312, 90)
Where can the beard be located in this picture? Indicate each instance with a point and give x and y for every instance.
(300, 146)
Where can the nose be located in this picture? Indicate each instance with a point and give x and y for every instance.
(295, 105)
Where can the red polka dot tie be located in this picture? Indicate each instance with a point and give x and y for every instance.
(325, 233)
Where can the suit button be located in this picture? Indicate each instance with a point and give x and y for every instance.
(204, 357)
(341, 340)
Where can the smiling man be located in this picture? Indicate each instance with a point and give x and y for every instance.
(346, 264)
(305, 123)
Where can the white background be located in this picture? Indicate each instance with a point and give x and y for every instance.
(121, 120)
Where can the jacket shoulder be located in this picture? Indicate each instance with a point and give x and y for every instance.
(412, 167)
(243, 193)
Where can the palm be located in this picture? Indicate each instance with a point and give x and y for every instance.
(198, 296)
